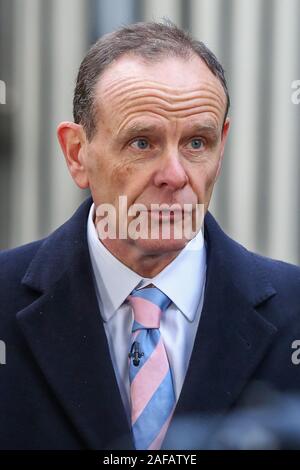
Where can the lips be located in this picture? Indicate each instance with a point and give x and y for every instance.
(168, 211)
(166, 214)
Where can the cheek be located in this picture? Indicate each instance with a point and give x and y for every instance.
(126, 180)
(211, 178)
(203, 178)
(96, 172)
(98, 169)
(121, 175)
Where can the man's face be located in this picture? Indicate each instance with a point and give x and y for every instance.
(159, 137)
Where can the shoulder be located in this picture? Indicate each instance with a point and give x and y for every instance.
(280, 272)
(248, 264)
(279, 280)
(269, 283)
(13, 266)
(14, 262)
(284, 277)
(14, 296)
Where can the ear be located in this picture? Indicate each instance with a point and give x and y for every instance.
(225, 132)
(72, 140)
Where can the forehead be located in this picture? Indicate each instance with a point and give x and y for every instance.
(171, 88)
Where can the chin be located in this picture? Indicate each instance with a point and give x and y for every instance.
(160, 246)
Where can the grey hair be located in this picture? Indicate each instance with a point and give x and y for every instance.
(151, 41)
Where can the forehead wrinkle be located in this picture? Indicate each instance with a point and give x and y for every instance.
(168, 100)
(141, 89)
(124, 96)
(118, 86)
(171, 91)
(166, 105)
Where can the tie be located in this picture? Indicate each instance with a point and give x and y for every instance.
(151, 387)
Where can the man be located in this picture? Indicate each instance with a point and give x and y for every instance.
(110, 340)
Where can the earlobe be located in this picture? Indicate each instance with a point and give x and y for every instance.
(71, 137)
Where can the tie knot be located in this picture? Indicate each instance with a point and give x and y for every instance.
(148, 304)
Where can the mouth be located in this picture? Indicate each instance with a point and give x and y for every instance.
(166, 214)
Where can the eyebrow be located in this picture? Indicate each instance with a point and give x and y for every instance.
(206, 128)
(136, 128)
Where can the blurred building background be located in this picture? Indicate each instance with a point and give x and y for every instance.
(42, 43)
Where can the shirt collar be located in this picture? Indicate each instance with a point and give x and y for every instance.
(182, 280)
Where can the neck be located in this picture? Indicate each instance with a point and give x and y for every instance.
(147, 264)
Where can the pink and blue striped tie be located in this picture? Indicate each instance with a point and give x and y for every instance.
(151, 386)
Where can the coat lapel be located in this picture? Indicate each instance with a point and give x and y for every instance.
(233, 336)
(65, 333)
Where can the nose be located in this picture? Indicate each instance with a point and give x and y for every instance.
(170, 173)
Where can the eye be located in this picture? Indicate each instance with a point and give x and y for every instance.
(140, 144)
(196, 144)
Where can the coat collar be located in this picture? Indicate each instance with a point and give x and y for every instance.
(65, 333)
